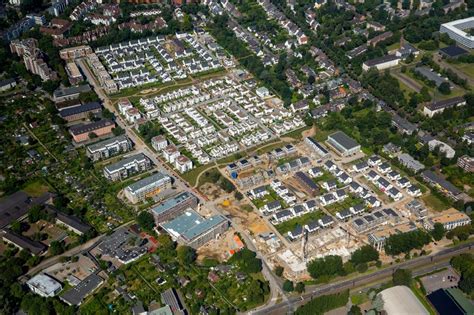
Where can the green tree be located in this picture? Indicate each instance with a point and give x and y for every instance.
(355, 310)
(326, 267)
(15, 226)
(364, 254)
(56, 248)
(279, 271)
(186, 255)
(238, 195)
(300, 287)
(444, 88)
(146, 221)
(402, 277)
(438, 231)
(35, 214)
(246, 261)
(288, 286)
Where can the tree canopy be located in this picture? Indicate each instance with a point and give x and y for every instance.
(326, 267)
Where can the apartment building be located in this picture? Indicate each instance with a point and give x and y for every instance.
(450, 219)
(33, 58)
(126, 167)
(108, 148)
(466, 163)
(147, 187)
(75, 52)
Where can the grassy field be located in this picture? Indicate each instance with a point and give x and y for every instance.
(192, 175)
(296, 134)
(434, 202)
(322, 135)
(290, 225)
(405, 89)
(466, 68)
(36, 188)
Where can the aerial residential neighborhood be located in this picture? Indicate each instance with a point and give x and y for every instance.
(237, 157)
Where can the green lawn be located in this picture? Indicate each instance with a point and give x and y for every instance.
(394, 46)
(290, 225)
(263, 201)
(434, 202)
(346, 204)
(421, 297)
(358, 299)
(324, 178)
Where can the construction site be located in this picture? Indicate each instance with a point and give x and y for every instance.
(308, 201)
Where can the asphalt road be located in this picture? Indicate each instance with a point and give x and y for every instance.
(284, 308)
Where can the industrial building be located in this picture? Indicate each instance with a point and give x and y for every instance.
(72, 223)
(70, 93)
(23, 243)
(457, 30)
(193, 230)
(147, 187)
(174, 207)
(381, 63)
(343, 144)
(77, 294)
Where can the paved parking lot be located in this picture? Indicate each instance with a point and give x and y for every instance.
(441, 280)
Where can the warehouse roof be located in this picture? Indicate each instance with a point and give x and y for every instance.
(453, 51)
(74, 296)
(190, 224)
(86, 128)
(344, 140)
(79, 109)
(384, 59)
